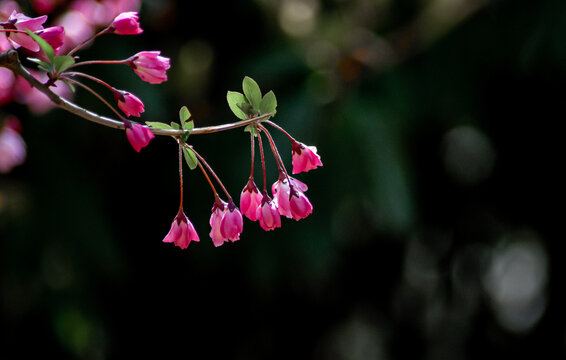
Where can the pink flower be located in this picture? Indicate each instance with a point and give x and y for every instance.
(7, 80)
(269, 217)
(127, 23)
(150, 66)
(19, 21)
(300, 205)
(250, 200)
(182, 231)
(282, 194)
(226, 223)
(305, 158)
(54, 35)
(12, 146)
(138, 135)
(129, 103)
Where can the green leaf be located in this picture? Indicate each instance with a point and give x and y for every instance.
(189, 125)
(268, 104)
(185, 136)
(246, 108)
(158, 125)
(252, 92)
(63, 62)
(43, 65)
(234, 98)
(251, 129)
(175, 126)
(71, 86)
(184, 114)
(190, 158)
(44, 45)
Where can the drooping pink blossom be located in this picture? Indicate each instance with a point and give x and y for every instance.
(268, 214)
(126, 23)
(232, 224)
(150, 66)
(19, 21)
(305, 157)
(250, 200)
(129, 103)
(282, 193)
(138, 135)
(300, 205)
(218, 212)
(12, 146)
(182, 231)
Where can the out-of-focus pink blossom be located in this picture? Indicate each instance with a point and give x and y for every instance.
(19, 21)
(182, 231)
(268, 215)
(7, 80)
(129, 103)
(44, 6)
(101, 12)
(282, 193)
(7, 7)
(127, 23)
(150, 66)
(138, 135)
(300, 205)
(250, 199)
(12, 146)
(77, 29)
(37, 101)
(305, 158)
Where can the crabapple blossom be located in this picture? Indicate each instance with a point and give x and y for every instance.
(18, 21)
(250, 200)
(54, 36)
(182, 231)
(12, 146)
(299, 204)
(268, 215)
(138, 135)
(305, 157)
(127, 23)
(232, 224)
(282, 193)
(150, 66)
(218, 211)
(129, 103)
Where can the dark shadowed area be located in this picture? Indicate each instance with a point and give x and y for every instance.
(436, 230)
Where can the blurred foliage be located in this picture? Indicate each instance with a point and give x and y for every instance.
(436, 123)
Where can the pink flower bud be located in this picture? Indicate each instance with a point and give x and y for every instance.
(55, 36)
(19, 21)
(282, 193)
(269, 217)
(127, 23)
(305, 158)
(150, 66)
(218, 211)
(138, 135)
(182, 232)
(232, 223)
(250, 200)
(129, 103)
(300, 205)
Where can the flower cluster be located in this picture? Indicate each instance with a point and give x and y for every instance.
(53, 52)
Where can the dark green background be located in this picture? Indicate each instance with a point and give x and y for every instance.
(391, 264)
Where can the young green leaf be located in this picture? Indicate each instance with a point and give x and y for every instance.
(43, 65)
(252, 92)
(268, 104)
(175, 126)
(251, 129)
(71, 86)
(234, 98)
(189, 125)
(190, 158)
(61, 63)
(246, 108)
(185, 136)
(158, 125)
(44, 45)
(184, 114)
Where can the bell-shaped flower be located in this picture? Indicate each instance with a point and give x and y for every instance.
(18, 21)
(138, 135)
(250, 200)
(305, 157)
(282, 193)
(218, 211)
(268, 215)
(182, 231)
(129, 103)
(232, 223)
(150, 66)
(300, 205)
(126, 23)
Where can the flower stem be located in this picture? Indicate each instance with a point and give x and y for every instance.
(91, 62)
(93, 78)
(253, 154)
(280, 129)
(181, 175)
(75, 82)
(280, 164)
(201, 159)
(78, 47)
